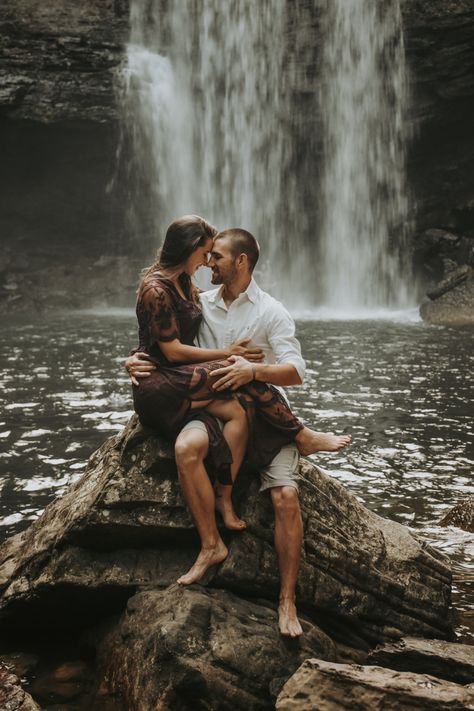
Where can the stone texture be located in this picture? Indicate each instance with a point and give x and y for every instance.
(194, 648)
(36, 285)
(58, 59)
(461, 515)
(12, 696)
(440, 56)
(445, 660)
(123, 526)
(453, 308)
(326, 686)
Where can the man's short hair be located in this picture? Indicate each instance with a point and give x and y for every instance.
(242, 242)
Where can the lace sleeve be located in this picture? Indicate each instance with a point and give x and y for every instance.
(161, 316)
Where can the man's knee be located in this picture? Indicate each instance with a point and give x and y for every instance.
(285, 499)
(191, 447)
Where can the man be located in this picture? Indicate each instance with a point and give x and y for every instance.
(239, 310)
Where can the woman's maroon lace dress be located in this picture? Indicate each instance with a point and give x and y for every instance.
(163, 400)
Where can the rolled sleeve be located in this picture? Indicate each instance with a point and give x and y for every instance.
(282, 339)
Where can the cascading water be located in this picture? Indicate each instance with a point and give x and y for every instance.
(363, 100)
(214, 96)
(206, 107)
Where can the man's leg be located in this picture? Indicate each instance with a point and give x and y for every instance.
(288, 541)
(281, 477)
(191, 449)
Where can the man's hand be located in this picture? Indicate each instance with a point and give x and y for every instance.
(139, 366)
(233, 376)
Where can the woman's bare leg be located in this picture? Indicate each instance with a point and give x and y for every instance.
(235, 432)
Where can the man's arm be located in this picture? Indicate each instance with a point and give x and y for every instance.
(277, 374)
(242, 372)
(289, 368)
(138, 365)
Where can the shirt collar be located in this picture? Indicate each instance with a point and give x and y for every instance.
(252, 293)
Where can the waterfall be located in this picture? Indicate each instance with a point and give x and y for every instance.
(224, 118)
(206, 105)
(364, 98)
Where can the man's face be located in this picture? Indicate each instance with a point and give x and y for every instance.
(222, 263)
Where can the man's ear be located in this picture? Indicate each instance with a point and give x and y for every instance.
(242, 260)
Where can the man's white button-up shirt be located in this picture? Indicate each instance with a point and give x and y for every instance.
(255, 315)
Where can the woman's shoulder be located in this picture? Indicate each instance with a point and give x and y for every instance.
(157, 282)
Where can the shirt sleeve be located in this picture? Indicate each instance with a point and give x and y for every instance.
(161, 315)
(282, 339)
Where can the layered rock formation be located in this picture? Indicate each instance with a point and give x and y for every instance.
(445, 660)
(57, 59)
(333, 687)
(120, 537)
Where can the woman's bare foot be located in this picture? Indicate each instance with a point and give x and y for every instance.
(206, 558)
(226, 509)
(308, 441)
(288, 622)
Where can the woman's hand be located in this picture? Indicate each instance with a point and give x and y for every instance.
(254, 355)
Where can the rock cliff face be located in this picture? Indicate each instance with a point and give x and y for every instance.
(57, 58)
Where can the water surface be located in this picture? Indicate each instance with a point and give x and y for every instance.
(402, 388)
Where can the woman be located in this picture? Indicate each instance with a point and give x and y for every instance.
(169, 316)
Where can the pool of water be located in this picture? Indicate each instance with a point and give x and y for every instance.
(401, 387)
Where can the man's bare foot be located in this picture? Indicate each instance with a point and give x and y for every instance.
(206, 558)
(288, 622)
(308, 441)
(226, 509)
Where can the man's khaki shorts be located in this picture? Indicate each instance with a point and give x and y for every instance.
(282, 470)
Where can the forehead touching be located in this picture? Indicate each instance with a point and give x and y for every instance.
(207, 246)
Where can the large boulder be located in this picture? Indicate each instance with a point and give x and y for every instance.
(123, 526)
(326, 686)
(204, 649)
(454, 307)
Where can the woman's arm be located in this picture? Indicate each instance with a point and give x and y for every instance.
(164, 329)
(177, 352)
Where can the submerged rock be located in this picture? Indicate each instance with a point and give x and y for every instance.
(326, 686)
(445, 660)
(461, 516)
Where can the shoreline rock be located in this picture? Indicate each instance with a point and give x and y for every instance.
(327, 686)
(445, 660)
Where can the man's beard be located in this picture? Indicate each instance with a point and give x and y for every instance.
(216, 278)
(225, 278)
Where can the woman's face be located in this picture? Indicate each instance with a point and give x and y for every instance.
(199, 258)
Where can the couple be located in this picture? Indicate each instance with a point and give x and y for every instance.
(204, 373)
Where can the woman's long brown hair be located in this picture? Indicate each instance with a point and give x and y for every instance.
(183, 236)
